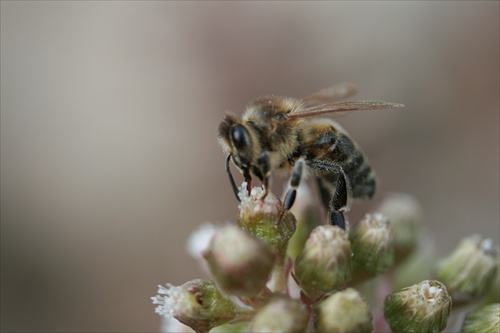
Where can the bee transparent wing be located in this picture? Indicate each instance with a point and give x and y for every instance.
(315, 110)
(331, 94)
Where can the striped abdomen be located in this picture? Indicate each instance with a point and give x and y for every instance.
(327, 144)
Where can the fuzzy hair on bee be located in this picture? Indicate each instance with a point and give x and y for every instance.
(278, 133)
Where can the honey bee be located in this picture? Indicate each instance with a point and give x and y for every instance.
(278, 133)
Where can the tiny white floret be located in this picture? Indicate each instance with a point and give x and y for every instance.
(166, 300)
(200, 238)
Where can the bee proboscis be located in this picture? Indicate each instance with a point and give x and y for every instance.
(278, 133)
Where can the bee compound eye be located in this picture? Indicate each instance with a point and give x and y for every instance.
(240, 138)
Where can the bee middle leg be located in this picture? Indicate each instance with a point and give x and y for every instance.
(294, 183)
(265, 168)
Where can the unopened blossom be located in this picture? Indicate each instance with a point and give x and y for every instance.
(263, 216)
(344, 311)
(372, 246)
(240, 263)
(325, 262)
(486, 319)
(469, 271)
(405, 215)
(307, 213)
(423, 307)
(281, 314)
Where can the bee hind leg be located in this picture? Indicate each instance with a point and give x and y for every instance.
(334, 191)
(338, 203)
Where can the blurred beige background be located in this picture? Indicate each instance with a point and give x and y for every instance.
(109, 112)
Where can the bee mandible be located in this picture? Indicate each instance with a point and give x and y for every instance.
(282, 133)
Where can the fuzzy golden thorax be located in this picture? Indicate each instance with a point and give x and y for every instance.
(265, 126)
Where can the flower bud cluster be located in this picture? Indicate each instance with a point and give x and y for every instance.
(323, 279)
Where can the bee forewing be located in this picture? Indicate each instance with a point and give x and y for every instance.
(343, 106)
(331, 94)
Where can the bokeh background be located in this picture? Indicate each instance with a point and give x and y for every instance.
(109, 112)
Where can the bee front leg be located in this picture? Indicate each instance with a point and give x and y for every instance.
(265, 168)
(231, 179)
(248, 180)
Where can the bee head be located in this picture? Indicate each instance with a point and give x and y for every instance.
(236, 140)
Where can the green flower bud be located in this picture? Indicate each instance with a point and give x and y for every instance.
(240, 263)
(281, 314)
(199, 305)
(372, 246)
(468, 272)
(308, 217)
(423, 307)
(485, 319)
(344, 311)
(266, 219)
(325, 263)
(405, 215)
